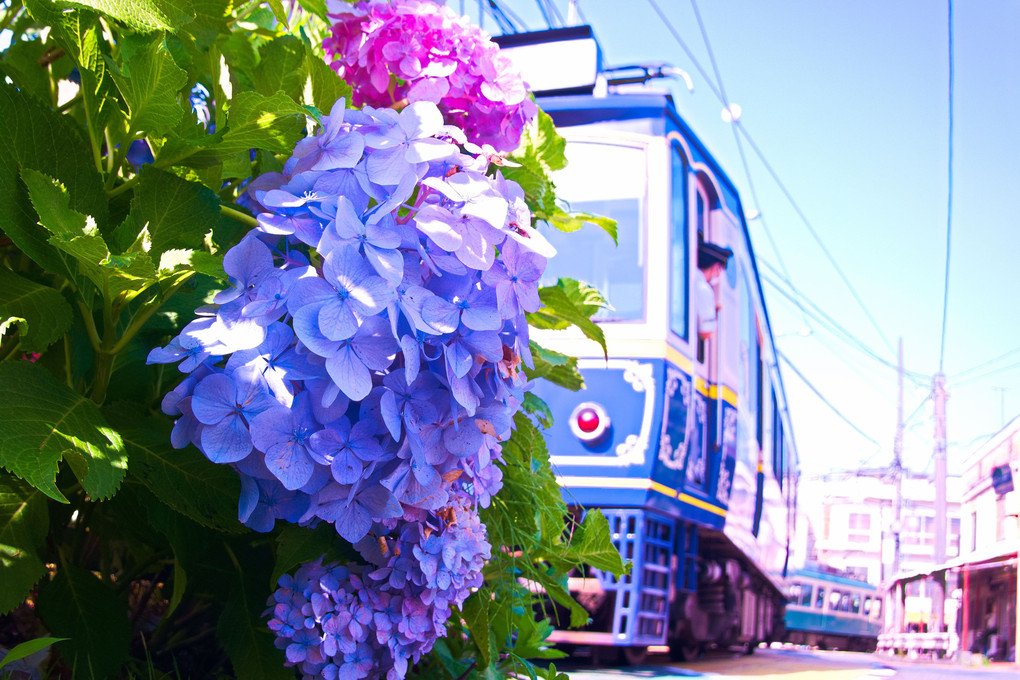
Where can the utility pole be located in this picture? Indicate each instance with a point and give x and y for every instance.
(939, 397)
(898, 472)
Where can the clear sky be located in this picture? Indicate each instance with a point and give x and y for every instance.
(849, 104)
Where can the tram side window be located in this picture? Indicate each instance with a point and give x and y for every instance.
(777, 441)
(820, 599)
(805, 595)
(589, 255)
(678, 261)
(855, 603)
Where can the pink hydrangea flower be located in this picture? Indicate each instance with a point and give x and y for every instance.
(417, 50)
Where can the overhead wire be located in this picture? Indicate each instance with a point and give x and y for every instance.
(949, 193)
(799, 299)
(824, 399)
(983, 364)
(740, 149)
(775, 176)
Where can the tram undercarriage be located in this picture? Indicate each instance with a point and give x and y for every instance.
(690, 588)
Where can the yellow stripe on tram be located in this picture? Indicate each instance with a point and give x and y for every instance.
(638, 485)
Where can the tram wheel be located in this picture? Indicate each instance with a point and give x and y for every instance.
(635, 656)
(685, 651)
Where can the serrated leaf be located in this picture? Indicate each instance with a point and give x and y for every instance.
(316, 7)
(150, 81)
(281, 67)
(78, 606)
(295, 545)
(537, 407)
(76, 235)
(36, 137)
(555, 367)
(541, 145)
(477, 618)
(143, 15)
(43, 421)
(273, 123)
(567, 304)
(177, 213)
(24, 523)
(20, 62)
(46, 314)
(593, 545)
(183, 479)
(327, 87)
(194, 260)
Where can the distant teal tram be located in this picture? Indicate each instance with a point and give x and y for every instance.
(682, 438)
(831, 611)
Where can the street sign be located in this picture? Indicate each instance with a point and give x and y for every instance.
(1002, 479)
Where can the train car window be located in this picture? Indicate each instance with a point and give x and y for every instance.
(876, 608)
(777, 441)
(678, 260)
(805, 595)
(589, 254)
(820, 599)
(759, 384)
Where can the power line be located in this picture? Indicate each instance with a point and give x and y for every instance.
(985, 363)
(743, 155)
(775, 176)
(949, 193)
(798, 298)
(824, 400)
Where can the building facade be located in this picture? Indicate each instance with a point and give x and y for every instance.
(851, 523)
(987, 566)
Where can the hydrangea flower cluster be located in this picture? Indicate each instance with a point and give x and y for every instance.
(372, 622)
(363, 367)
(422, 51)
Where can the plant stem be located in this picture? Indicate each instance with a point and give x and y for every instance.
(143, 315)
(10, 15)
(121, 188)
(239, 216)
(90, 326)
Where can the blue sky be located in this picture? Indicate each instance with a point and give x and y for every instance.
(849, 104)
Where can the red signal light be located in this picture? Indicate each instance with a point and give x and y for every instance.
(589, 422)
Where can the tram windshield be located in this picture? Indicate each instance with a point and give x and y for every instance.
(608, 180)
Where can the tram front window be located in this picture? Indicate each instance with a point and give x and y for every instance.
(608, 180)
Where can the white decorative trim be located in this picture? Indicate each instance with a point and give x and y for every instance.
(674, 458)
(641, 377)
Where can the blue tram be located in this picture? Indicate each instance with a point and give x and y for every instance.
(832, 611)
(683, 442)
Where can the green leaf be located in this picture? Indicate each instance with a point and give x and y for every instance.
(45, 311)
(541, 145)
(36, 137)
(183, 479)
(592, 544)
(281, 67)
(555, 367)
(295, 545)
(143, 15)
(273, 123)
(538, 408)
(78, 606)
(194, 260)
(20, 62)
(570, 222)
(245, 637)
(44, 421)
(278, 11)
(476, 617)
(570, 303)
(28, 648)
(177, 213)
(24, 523)
(76, 235)
(150, 82)
(316, 7)
(327, 86)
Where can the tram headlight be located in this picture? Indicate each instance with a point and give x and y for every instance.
(589, 422)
